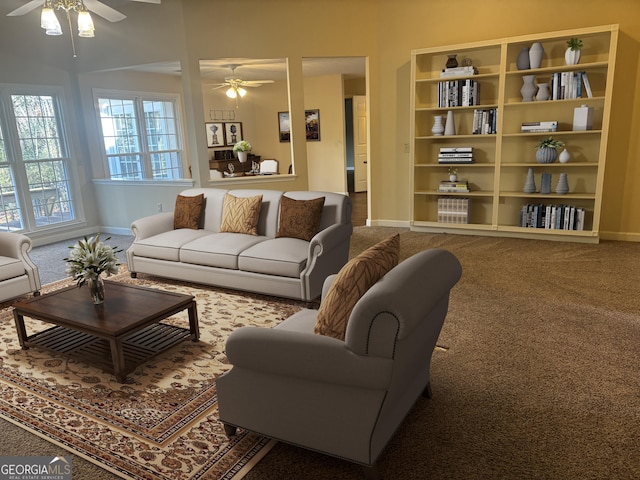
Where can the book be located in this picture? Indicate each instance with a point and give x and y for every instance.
(587, 86)
(547, 126)
(455, 149)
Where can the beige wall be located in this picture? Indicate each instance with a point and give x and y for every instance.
(385, 31)
(326, 159)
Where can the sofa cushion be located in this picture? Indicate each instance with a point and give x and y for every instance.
(218, 249)
(188, 212)
(10, 268)
(285, 257)
(166, 246)
(352, 281)
(241, 214)
(300, 218)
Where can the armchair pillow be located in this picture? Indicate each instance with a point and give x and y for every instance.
(300, 218)
(188, 211)
(241, 214)
(352, 281)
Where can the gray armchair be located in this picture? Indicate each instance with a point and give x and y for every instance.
(18, 274)
(343, 398)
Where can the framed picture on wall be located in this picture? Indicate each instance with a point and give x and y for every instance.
(284, 127)
(312, 124)
(233, 133)
(215, 134)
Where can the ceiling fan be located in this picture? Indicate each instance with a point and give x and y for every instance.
(235, 84)
(94, 6)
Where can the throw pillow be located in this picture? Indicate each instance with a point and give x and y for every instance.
(352, 281)
(241, 214)
(188, 211)
(300, 218)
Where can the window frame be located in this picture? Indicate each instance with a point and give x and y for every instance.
(138, 98)
(68, 155)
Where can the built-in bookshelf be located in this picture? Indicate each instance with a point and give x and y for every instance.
(494, 122)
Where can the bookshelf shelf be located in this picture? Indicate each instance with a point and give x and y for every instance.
(503, 159)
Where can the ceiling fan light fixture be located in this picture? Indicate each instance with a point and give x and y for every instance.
(85, 24)
(231, 93)
(49, 21)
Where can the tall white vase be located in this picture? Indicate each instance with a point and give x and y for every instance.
(535, 55)
(438, 126)
(450, 126)
(528, 89)
(571, 57)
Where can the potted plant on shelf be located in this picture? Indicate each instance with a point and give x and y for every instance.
(242, 148)
(572, 53)
(547, 150)
(453, 174)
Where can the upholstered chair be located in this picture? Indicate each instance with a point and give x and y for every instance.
(347, 397)
(18, 274)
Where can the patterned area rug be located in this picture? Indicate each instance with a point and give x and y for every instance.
(163, 422)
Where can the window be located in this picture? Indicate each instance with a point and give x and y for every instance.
(34, 183)
(141, 137)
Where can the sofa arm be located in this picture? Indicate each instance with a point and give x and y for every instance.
(306, 356)
(331, 237)
(152, 225)
(14, 245)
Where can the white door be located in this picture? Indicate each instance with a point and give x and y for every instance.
(360, 143)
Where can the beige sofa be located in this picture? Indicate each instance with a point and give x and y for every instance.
(262, 263)
(18, 274)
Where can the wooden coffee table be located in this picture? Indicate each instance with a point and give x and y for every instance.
(122, 333)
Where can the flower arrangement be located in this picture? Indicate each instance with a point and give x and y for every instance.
(550, 142)
(89, 258)
(574, 43)
(242, 146)
(453, 170)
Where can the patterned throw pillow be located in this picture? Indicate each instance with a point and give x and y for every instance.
(300, 218)
(352, 281)
(241, 214)
(188, 212)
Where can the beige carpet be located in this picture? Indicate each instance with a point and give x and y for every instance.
(540, 378)
(160, 424)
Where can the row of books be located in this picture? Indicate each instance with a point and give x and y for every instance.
(547, 126)
(453, 210)
(485, 121)
(554, 217)
(456, 155)
(458, 71)
(458, 93)
(458, 186)
(567, 85)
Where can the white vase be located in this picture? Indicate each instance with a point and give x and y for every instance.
(571, 57)
(528, 89)
(562, 187)
(564, 156)
(242, 156)
(543, 92)
(453, 177)
(450, 126)
(438, 126)
(535, 55)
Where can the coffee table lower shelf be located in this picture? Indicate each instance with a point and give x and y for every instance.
(138, 348)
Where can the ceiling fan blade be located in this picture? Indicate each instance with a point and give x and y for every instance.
(26, 8)
(256, 82)
(104, 11)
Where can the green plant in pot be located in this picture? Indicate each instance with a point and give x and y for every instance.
(572, 53)
(547, 150)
